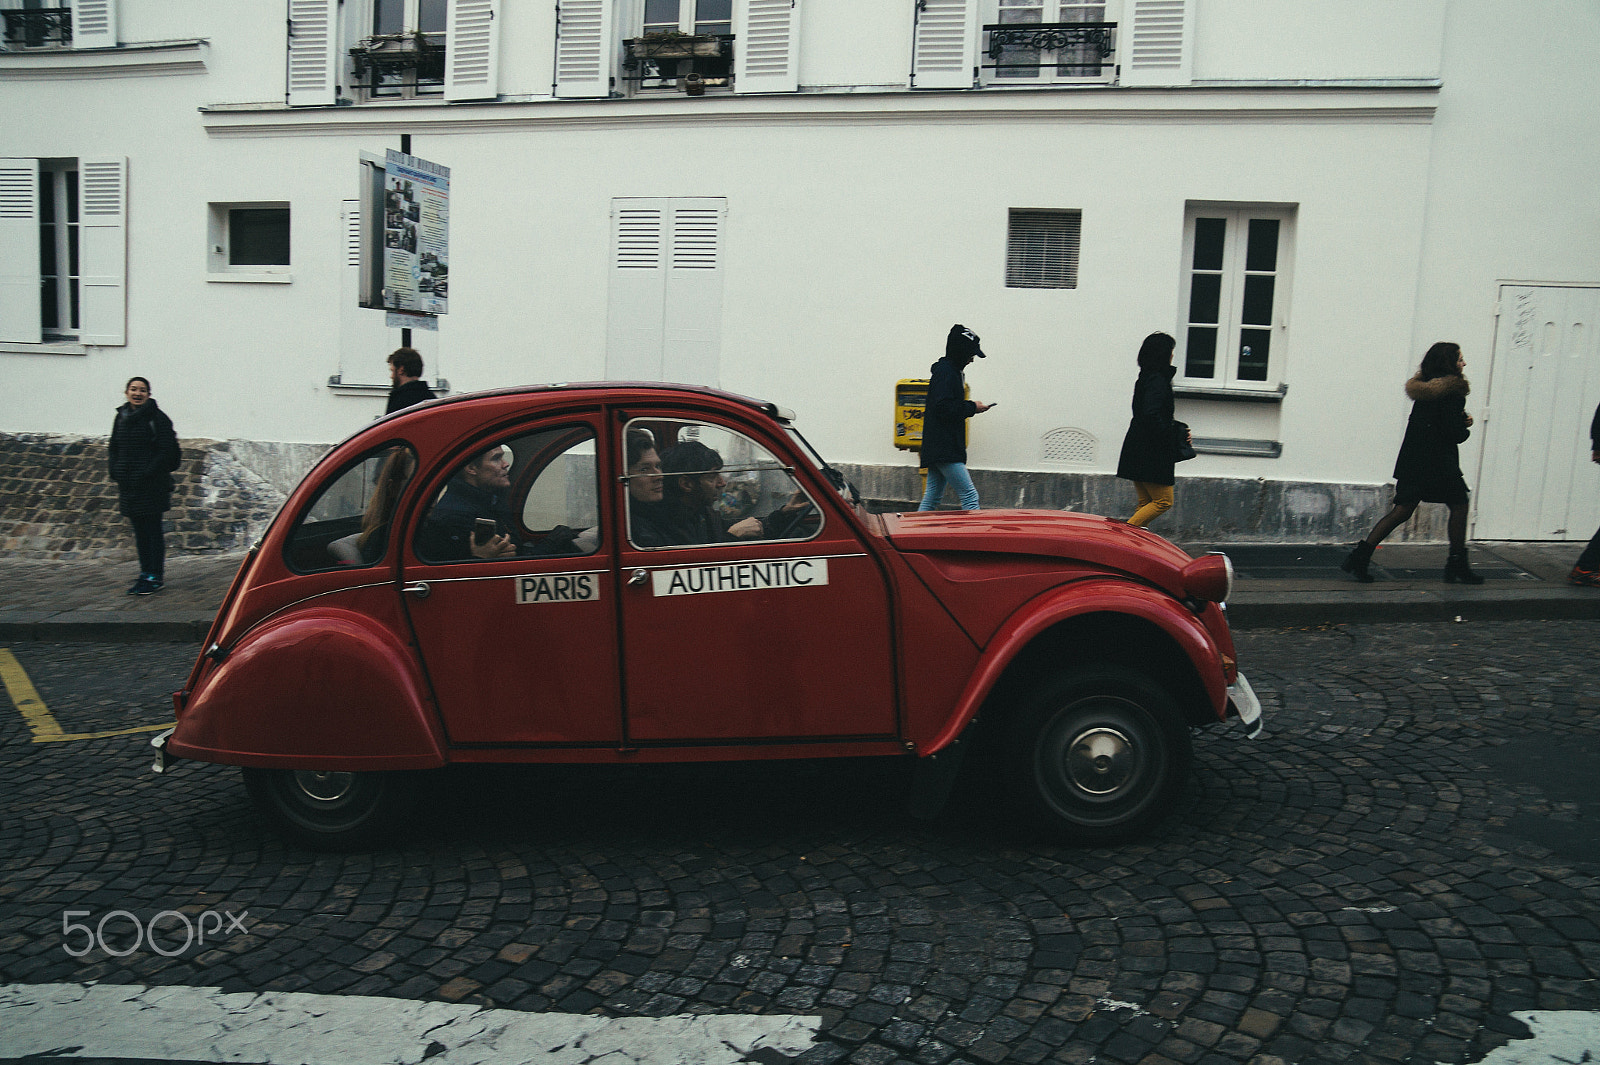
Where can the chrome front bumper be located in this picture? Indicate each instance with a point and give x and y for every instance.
(1242, 701)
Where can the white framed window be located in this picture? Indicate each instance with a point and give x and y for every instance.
(1042, 248)
(387, 50)
(248, 242)
(1237, 266)
(1049, 42)
(606, 47)
(403, 54)
(31, 24)
(63, 252)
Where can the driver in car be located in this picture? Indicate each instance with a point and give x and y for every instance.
(694, 483)
(472, 520)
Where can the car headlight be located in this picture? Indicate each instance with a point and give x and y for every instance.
(1208, 578)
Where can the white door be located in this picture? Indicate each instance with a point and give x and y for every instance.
(1536, 481)
(665, 304)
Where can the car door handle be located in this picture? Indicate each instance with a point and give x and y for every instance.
(638, 576)
(419, 589)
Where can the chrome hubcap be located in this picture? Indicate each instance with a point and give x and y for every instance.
(324, 787)
(1101, 760)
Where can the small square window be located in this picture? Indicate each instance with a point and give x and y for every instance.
(248, 242)
(1042, 248)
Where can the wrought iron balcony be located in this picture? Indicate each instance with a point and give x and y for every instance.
(39, 27)
(1071, 49)
(400, 55)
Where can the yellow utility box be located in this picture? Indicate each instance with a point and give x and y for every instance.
(910, 404)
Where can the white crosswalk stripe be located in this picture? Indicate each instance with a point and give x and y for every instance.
(291, 1028)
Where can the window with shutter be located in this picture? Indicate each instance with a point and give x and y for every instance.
(21, 320)
(313, 53)
(1049, 42)
(945, 44)
(1158, 48)
(584, 47)
(1042, 248)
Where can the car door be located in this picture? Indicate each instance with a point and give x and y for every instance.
(782, 636)
(520, 649)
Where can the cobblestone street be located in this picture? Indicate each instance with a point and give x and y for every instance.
(1408, 857)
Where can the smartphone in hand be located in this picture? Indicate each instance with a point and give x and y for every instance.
(483, 530)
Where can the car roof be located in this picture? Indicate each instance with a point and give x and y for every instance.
(772, 410)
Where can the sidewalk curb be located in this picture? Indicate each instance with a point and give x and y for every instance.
(101, 626)
(1283, 611)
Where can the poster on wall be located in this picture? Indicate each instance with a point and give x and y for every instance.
(405, 245)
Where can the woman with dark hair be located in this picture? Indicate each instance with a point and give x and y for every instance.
(142, 454)
(1428, 469)
(1149, 450)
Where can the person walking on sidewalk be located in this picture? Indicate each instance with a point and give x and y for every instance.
(1587, 570)
(1428, 469)
(142, 454)
(944, 424)
(405, 371)
(1150, 447)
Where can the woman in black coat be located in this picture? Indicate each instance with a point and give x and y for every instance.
(1428, 469)
(143, 453)
(1149, 450)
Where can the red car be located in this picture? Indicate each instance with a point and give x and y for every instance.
(559, 574)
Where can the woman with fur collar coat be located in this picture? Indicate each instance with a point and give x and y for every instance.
(1429, 467)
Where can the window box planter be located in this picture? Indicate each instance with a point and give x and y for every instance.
(677, 46)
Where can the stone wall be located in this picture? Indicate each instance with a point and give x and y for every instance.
(56, 501)
(1205, 509)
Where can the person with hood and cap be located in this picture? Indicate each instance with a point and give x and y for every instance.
(944, 425)
(142, 454)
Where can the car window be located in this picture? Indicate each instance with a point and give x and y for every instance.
(692, 483)
(348, 523)
(531, 495)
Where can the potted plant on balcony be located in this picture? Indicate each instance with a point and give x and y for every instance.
(673, 44)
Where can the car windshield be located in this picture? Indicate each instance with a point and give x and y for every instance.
(833, 476)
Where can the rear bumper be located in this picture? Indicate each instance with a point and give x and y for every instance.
(1244, 704)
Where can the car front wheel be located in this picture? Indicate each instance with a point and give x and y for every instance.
(1100, 755)
(330, 810)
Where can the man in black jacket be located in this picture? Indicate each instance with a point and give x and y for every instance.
(944, 422)
(1587, 571)
(405, 370)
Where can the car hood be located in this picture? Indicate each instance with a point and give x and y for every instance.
(1042, 533)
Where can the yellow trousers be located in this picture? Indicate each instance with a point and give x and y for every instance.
(1154, 500)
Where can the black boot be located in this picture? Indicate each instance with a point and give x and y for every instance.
(1355, 563)
(1456, 570)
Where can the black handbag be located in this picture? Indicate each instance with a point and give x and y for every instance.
(1182, 451)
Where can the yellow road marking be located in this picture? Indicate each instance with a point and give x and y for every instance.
(40, 722)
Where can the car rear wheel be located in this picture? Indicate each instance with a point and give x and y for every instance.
(1099, 756)
(330, 810)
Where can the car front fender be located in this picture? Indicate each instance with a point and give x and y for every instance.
(323, 689)
(1062, 604)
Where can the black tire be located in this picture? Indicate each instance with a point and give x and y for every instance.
(1098, 756)
(331, 810)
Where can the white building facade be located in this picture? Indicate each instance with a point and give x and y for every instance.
(794, 199)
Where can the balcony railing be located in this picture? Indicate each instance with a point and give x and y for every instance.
(39, 27)
(410, 56)
(1070, 49)
(659, 59)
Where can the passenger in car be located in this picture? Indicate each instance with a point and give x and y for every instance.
(472, 519)
(694, 482)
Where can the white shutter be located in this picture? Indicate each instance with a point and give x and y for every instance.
(1156, 43)
(638, 283)
(21, 320)
(103, 250)
(691, 341)
(472, 51)
(94, 23)
(764, 53)
(313, 52)
(586, 47)
(946, 44)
